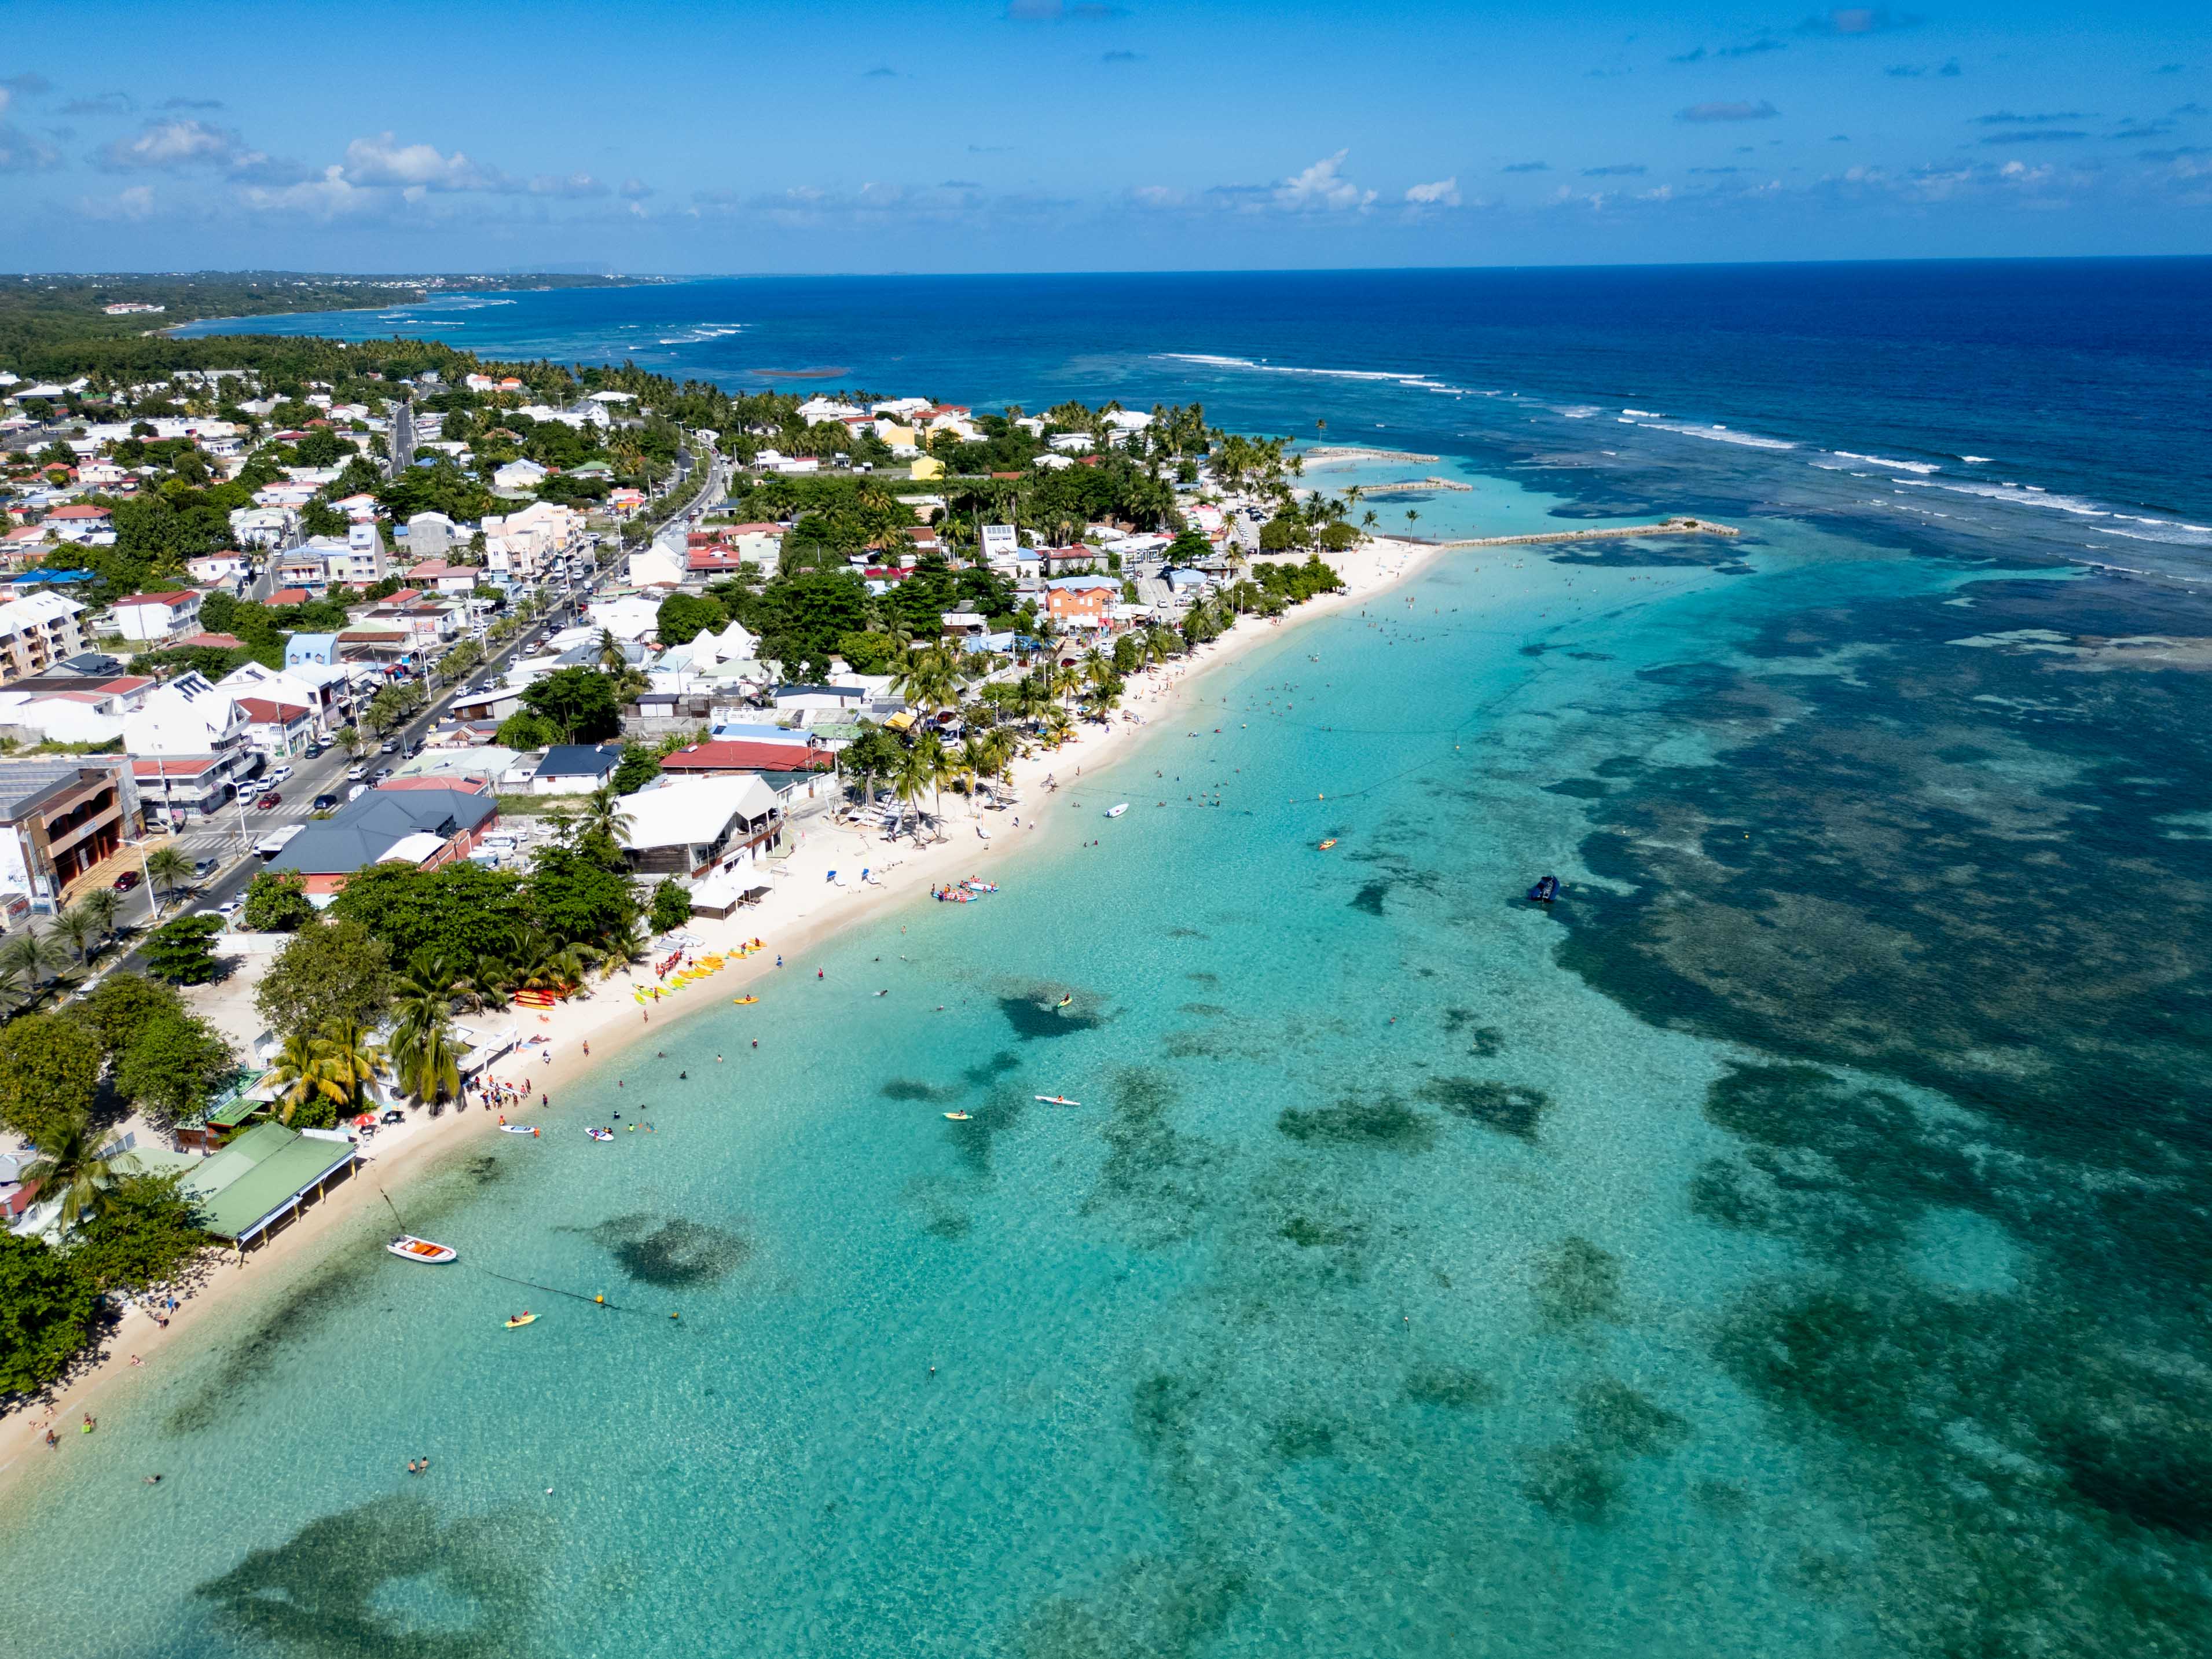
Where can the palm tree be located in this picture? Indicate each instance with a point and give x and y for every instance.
(612, 658)
(622, 949)
(304, 1072)
(424, 992)
(28, 959)
(426, 1064)
(69, 1166)
(352, 1058)
(1412, 517)
(168, 869)
(918, 768)
(1057, 722)
(558, 968)
(970, 762)
(101, 904)
(601, 815)
(81, 929)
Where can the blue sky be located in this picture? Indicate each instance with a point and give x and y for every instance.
(1047, 135)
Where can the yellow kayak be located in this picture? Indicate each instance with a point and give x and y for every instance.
(517, 1323)
(741, 1001)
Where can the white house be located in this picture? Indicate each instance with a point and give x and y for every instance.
(187, 716)
(655, 567)
(631, 618)
(147, 617)
(213, 568)
(691, 827)
(264, 526)
(520, 475)
(38, 631)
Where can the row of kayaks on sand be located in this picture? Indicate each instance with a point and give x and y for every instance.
(702, 968)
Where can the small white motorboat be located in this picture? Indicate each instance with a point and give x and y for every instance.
(1116, 812)
(519, 1128)
(408, 1248)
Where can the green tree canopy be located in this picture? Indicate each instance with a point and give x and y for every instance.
(575, 899)
(49, 1067)
(45, 1313)
(671, 906)
(171, 1065)
(276, 903)
(182, 951)
(123, 1004)
(462, 909)
(336, 969)
(803, 620)
(149, 1232)
(684, 617)
(868, 653)
(525, 728)
(579, 702)
(639, 766)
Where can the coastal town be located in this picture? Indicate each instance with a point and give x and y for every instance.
(363, 713)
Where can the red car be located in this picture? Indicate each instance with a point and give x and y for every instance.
(267, 801)
(126, 881)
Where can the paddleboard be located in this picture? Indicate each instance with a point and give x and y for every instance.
(957, 1117)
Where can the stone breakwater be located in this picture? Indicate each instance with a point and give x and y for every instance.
(1665, 527)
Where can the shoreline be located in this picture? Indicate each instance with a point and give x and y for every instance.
(803, 912)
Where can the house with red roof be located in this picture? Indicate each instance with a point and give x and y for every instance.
(79, 521)
(720, 755)
(276, 728)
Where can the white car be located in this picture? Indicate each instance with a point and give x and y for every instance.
(280, 775)
(358, 771)
(250, 789)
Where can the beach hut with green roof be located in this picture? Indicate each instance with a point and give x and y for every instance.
(263, 1178)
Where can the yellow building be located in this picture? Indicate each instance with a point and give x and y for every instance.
(927, 466)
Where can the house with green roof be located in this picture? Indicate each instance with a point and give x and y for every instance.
(263, 1178)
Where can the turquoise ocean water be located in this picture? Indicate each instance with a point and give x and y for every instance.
(1792, 1244)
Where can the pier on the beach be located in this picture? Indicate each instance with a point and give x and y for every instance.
(1665, 527)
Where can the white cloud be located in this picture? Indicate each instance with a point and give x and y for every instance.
(382, 161)
(136, 203)
(330, 196)
(570, 184)
(171, 145)
(1443, 193)
(1321, 189)
(1158, 196)
(19, 151)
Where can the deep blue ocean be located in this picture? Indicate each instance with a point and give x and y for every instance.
(1790, 1243)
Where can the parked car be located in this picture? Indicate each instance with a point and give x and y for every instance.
(267, 801)
(393, 1115)
(280, 775)
(126, 881)
(325, 803)
(202, 868)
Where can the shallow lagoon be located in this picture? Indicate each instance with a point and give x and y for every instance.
(1422, 1272)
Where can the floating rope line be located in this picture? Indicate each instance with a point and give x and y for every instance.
(555, 1289)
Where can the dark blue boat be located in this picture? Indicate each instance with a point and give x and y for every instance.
(1545, 891)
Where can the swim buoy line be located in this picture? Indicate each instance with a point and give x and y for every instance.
(600, 1301)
